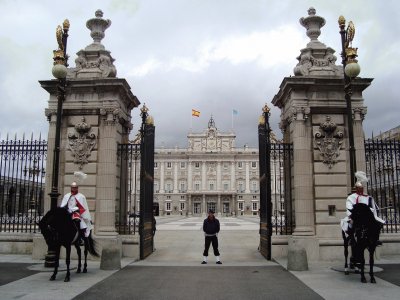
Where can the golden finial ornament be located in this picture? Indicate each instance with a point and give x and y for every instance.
(66, 25)
(266, 109)
(144, 109)
(341, 21)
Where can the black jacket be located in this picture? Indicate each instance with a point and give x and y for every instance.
(211, 226)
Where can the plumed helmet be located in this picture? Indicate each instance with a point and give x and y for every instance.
(358, 184)
(74, 184)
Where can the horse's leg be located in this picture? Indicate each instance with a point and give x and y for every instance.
(362, 264)
(67, 261)
(78, 251)
(371, 263)
(56, 263)
(353, 262)
(86, 240)
(346, 253)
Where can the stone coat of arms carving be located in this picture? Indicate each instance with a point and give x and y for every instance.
(329, 141)
(81, 143)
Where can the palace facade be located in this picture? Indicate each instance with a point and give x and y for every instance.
(211, 173)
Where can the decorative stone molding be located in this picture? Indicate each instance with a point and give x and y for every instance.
(316, 58)
(329, 141)
(49, 113)
(298, 113)
(110, 115)
(81, 143)
(95, 61)
(359, 113)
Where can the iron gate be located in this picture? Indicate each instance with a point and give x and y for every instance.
(382, 159)
(276, 203)
(136, 162)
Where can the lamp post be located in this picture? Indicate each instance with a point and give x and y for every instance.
(33, 172)
(351, 70)
(59, 71)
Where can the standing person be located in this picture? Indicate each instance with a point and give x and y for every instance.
(77, 206)
(211, 229)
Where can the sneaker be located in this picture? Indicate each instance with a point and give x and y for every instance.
(203, 262)
(219, 263)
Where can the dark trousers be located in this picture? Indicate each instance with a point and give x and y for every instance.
(214, 240)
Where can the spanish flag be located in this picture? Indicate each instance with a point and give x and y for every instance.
(195, 113)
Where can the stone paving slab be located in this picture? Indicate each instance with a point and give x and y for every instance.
(175, 283)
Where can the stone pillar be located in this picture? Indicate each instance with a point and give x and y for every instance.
(219, 205)
(96, 117)
(247, 177)
(162, 166)
(313, 114)
(233, 179)
(203, 176)
(302, 175)
(204, 208)
(190, 176)
(190, 208)
(176, 177)
(219, 176)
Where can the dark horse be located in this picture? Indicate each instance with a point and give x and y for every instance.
(58, 230)
(348, 241)
(366, 234)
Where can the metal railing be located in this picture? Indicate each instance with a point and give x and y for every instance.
(22, 166)
(382, 159)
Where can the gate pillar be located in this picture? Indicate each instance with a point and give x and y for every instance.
(96, 116)
(313, 119)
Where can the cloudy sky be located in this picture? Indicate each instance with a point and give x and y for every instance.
(209, 55)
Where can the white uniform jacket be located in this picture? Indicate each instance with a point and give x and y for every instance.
(70, 200)
(356, 198)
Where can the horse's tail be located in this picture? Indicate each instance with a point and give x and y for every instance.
(92, 246)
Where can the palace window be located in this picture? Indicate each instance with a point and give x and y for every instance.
(182, 205)
(254, 164)
(240, 164)
(197, 165)
(255, 206)
(169, 165)
(183, 165)
(155, 165)
(168, 206)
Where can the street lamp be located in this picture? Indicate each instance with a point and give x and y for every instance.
(351, 70)
(59, 71)
(33, 172)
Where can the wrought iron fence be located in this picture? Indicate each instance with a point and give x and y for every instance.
(127, 214)
(22, 166)
(383, 169)
(283, 221)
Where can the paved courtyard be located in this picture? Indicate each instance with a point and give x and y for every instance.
(174, 271)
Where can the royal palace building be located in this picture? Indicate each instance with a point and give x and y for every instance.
(211, 173)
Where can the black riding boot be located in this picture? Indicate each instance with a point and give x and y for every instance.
(77, 223)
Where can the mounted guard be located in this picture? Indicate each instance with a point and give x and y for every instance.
(77, 206)
(359, 197)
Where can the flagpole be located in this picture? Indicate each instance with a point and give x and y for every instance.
(191, 123)
(232, 119)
